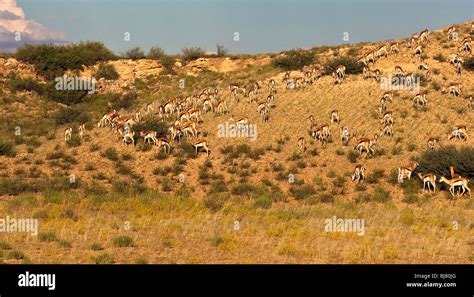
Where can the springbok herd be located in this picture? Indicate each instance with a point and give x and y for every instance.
(187, 111)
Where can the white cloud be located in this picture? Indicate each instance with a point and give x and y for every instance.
(14, 21)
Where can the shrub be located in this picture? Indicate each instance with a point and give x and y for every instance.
(352, 156)
(103, 259)
(167, 62)
(469, 64)
(263, 201)
(7, 149)
(17, 255)
(96, 246)
(381, 195)
(438, 161)
(27, 84)
(152, 125)
(135, 53)
(111, 154)
(294, 60)
(69, 115)
(52, 61)
(155, 53)
(125, 101)
(123, 241)
(352, 66)
(221, 50)
(440, 58)
(302, 191)
(192, 53)
(67, 97)
(47, 236)
(326, 198)
(107, 72)
(376, 175)
(215, 201)
(243, 189)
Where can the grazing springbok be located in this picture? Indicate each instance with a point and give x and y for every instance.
(358, 174)
(302, 144)
(420, 99)
(67, 134)
(365, 144)
(405, 172)
(429, 181)
(459, 132)
(454, 89)
(456, 182)
(201, 144)
(129, 136)
(148, 136)
(394, 48)
(452, 34)
(387, 118)
(432, 143)
(334, 116)
(345, 135)
(387, 130)
(165, 143)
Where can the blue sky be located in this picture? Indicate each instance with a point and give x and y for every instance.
(263, 25)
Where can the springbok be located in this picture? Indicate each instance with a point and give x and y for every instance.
(82, 131)
(456, 182)
(67, 134)
(201, 144)
(345, 135)
(429, 180)
(406, 172)
(334, 116)
(420, 99)
(302, 144)
(459, 132)
(165, 143)
(452, 34)
(358, 174)
(387, 130)
(431, 143)
(129, 136)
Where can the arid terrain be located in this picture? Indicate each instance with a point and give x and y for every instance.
(99, 200)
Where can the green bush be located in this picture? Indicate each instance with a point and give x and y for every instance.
(294, 60)
(70, 115)
(438, 161)
(215, 201)
(381, 195)
(107, 72)
(27, 84)
(192, 53)
(302, 191)
(440, 58)
(167, 62)
(135, 53)
(125, 101)
(7, 149)
(123, 241)
(52, 61)
(469, 64)
(67, 97)
(352, 66)
(155, 53)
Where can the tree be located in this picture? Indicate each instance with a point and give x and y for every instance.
(156, 53)
(135, 53)
(221, 50)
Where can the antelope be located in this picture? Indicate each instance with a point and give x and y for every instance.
(130, 135)
(148, 136)
(234, 94)
(420, 99)
(456, 182)
(302, 144)
(312, 122)
(429, 180)
(264, 114)
(138, 116)
(465, 46)
(470, 104)
(251, 95)
(201, 144)
(459, 68)
(424, 36)
(82, 131)
(290, 84)
(452, 34)
(417, 51)
(367, 73)
(387, 118)
(222, 107)
(413, 40)
(388, 96)
(454, 59)
(308, 76)
(67, 134)
(189, 129)
(334, 116)
(431, 143)
(316, 72)
(341, 72)
(398, 71)
(365, 144)
(286, 77)
(299, 82)
(270, 99)
(256, 87)
(367, 58)
(459, 131)
(381, 51)
(261, 106)
(453, 174)
(383, 107)
(406, 172)
(321, 133)
(394, 48)
(175, 133)
(358, 174)
(345, 135)
(271, 85)
(240, 121)
(454, 89)
(377, 74)
(163, 142)
(387, 130)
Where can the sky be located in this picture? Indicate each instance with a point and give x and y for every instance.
(262, 25)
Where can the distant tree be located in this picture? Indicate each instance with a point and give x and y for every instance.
(156, 53)
(167, 62)
(222, 51)
(192, 53)
(135, 53)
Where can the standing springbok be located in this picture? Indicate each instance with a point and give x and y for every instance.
(420, 99)
(456, 182)
(345, 135)
(406, 172)
(201, 144)
(67, 134)
(429, 180)
(431, 143)
(459, 132)
(82, 131)
(358, 174)
(334, 116)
